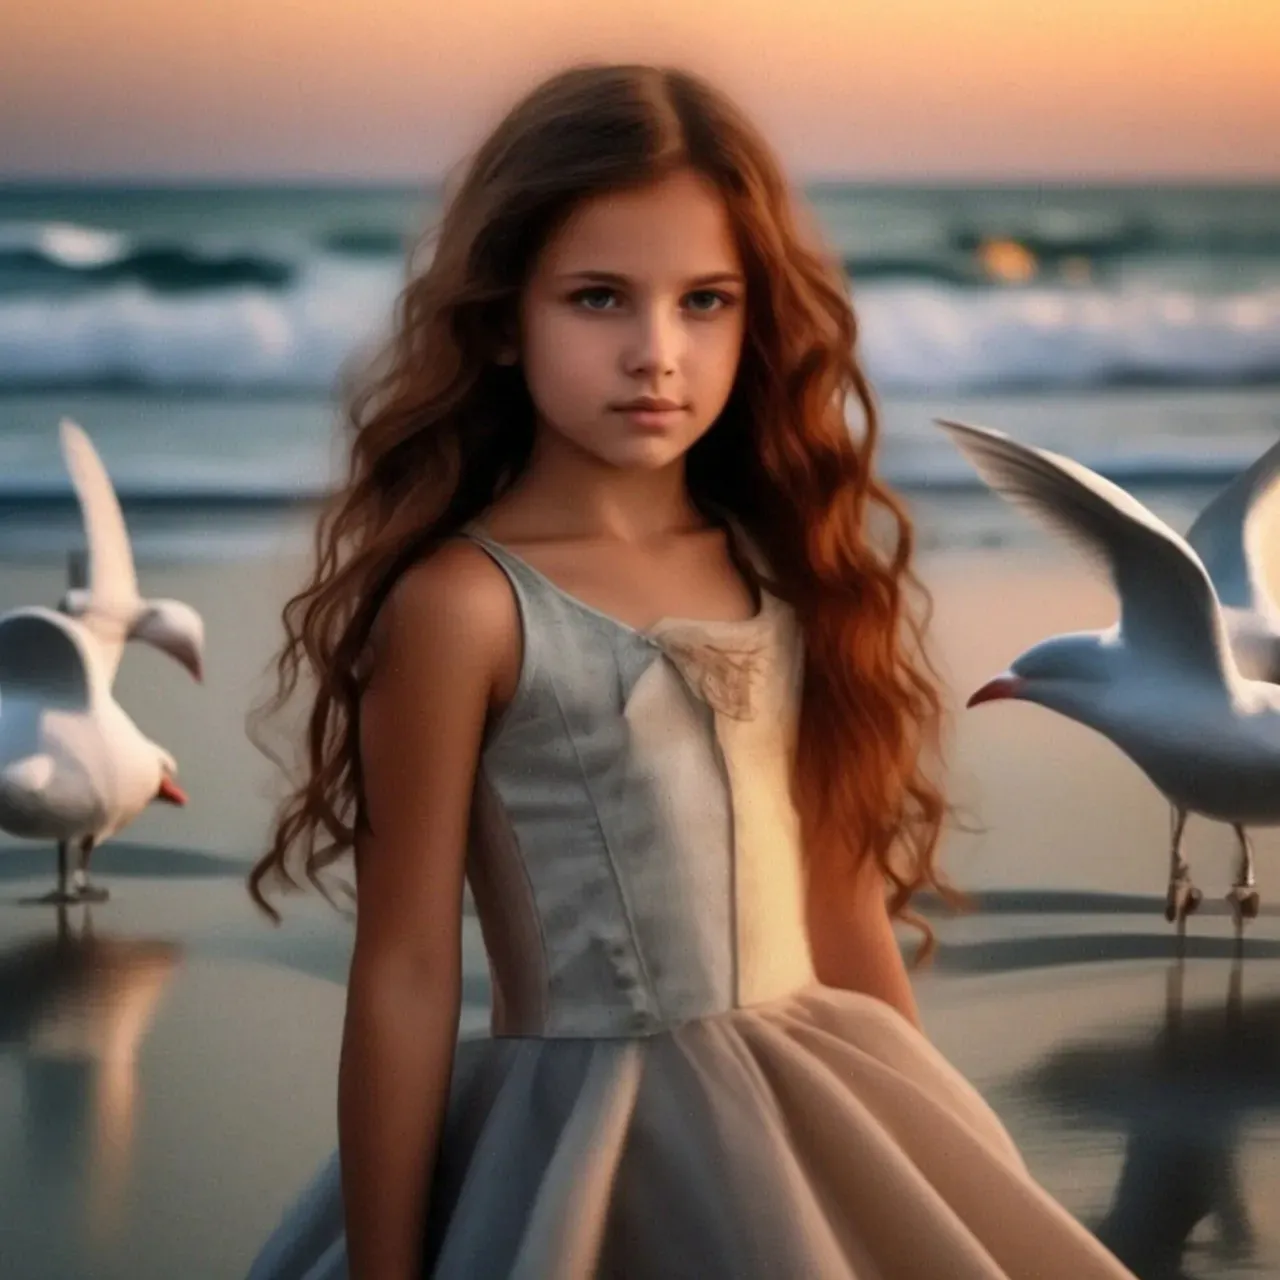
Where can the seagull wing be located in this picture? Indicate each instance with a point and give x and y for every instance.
(44, 659)
(1231, 535)
(1169, 615)
(113, 581)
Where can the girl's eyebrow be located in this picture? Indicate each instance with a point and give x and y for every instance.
(696, 282)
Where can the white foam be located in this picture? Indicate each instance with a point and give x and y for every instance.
(916, 337)
(938, 338)
(238, 339)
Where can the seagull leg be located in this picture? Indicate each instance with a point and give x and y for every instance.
(84, 891)
(1183, 897)
(61, 894)
(1243, 896)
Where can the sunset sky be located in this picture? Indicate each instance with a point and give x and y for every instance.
(398, 89)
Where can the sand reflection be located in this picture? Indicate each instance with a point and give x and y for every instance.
(76, 1005)
(1187, 1098)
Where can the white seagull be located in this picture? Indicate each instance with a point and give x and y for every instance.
(73, 766)
(111, 606)
(1163, 683)
(1230, 535)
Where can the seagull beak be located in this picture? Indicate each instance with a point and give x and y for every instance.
(1003, 686)
(170, 792)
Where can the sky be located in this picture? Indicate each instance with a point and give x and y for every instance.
(399, 90)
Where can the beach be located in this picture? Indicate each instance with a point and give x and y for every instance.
(168, 1058)
(168, 1062)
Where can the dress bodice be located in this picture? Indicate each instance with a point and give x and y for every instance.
(635, 857)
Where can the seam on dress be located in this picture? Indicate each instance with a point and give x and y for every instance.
(608, 849)
(544, 995)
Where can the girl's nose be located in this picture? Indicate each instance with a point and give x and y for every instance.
(655, 343)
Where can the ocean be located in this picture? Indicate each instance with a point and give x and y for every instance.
(197, 333)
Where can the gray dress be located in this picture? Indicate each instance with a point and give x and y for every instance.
(668, 1093)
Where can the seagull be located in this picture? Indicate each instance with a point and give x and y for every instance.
(111, 606)
(1229, 536)
(73, 766)
(1162, 684)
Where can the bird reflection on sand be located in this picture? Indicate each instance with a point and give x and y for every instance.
(1183, 1096)
(76, 1005)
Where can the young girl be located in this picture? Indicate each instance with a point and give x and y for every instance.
(597, 625)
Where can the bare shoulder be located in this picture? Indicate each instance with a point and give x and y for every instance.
(454, 609)
(457, 596)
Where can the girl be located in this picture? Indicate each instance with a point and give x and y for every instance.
(597, 626)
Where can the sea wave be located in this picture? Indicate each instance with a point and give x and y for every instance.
(917, 336)
(978, 243)
(933, 338)
(242, 340)
(55, 258)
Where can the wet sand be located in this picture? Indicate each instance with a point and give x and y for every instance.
(168, 1059)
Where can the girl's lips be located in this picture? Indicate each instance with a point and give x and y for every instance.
(650, 402)
(652, 419)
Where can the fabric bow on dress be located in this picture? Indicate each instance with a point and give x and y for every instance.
(725, 674)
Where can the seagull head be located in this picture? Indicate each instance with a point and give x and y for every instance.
(176, 628)
(168, 790)
(1070, 674)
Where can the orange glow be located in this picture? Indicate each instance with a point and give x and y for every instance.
(1007, 260)
(398, 88)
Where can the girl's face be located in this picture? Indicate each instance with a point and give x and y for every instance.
(632, 321)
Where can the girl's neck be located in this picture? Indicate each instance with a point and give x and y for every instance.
(583, 503)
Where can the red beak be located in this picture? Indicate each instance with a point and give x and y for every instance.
(1005, 686)
(170, 792)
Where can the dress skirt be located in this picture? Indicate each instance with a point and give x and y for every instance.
(815, 1136)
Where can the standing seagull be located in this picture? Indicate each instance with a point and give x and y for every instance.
(73, 766)
(1162, 683)
(1230, 537)
(112, 607)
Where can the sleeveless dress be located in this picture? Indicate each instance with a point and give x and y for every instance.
(668, 1092)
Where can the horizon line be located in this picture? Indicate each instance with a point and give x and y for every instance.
(817, 179)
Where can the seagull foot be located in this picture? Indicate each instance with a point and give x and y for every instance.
(1244, 902)
(1183, 898)
(55, 897)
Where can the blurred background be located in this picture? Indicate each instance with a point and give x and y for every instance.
(1063, 222)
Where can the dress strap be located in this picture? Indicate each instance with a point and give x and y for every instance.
(520, 573)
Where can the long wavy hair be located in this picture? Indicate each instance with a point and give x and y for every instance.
(438, 430)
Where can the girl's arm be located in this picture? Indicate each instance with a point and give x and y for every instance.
(437, 647)
(853, 943)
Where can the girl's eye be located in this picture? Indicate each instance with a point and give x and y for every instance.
(595, 298)
(603, 298)
(706, 301)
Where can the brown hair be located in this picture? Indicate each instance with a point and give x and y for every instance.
(439, 430)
